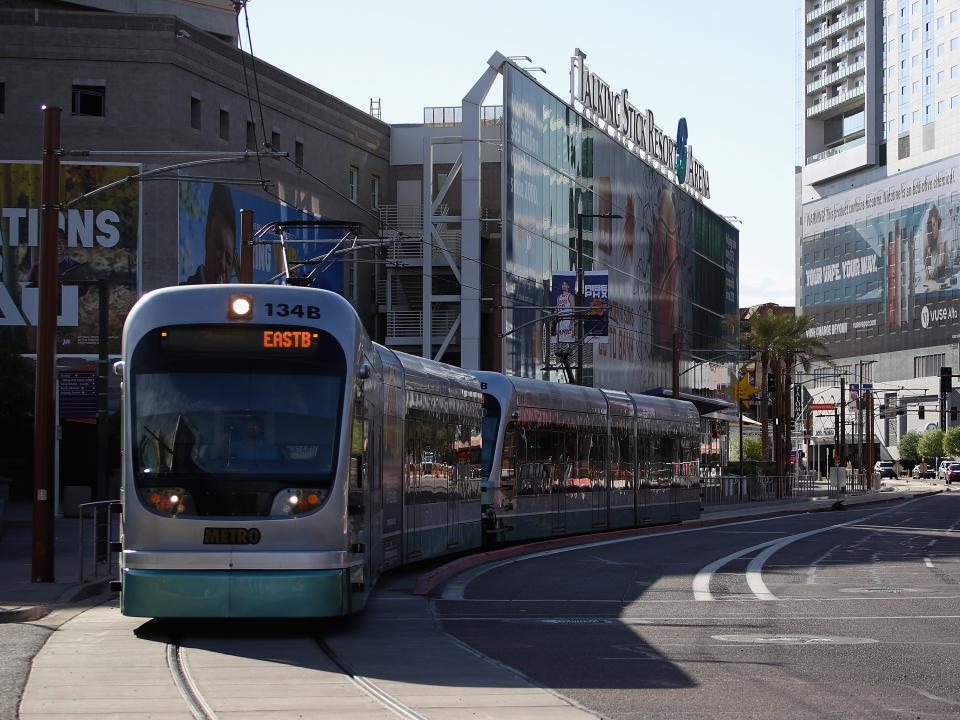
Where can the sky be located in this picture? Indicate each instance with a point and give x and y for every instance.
(728, 67)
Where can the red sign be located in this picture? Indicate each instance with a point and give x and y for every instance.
(823, 406)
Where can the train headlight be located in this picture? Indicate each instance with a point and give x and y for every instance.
(296, 501)
(240, 307)
(168, 500)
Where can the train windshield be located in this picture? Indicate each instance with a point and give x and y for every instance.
(488, 431)
(235, 433)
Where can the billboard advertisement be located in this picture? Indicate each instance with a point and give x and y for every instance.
(670, 262)
(209, 238)
(99, 239)
(880, 266)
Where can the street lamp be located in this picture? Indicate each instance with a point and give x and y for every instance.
(580, 217)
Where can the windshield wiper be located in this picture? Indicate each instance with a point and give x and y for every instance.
(158, 439)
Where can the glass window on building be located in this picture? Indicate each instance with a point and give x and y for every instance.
(941, 106)
(914, 61)
(953, 16)
(940, 76)
(939, 49)
(3, 97)
(298, 152)
(251, 135)
(928, 365)
(89, 100)
(196, 112)
(953, 43)
(374, 192)
(953, 72)
(939, 22)
(354, 180)
(224, 124)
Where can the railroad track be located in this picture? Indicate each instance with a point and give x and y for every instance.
(202, 709)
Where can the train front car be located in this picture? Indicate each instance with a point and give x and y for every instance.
(248, 417)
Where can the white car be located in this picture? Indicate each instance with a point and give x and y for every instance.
(942, 468)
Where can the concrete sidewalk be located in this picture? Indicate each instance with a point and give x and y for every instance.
(21, 599)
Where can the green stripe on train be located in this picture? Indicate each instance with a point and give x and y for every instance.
(234, 593)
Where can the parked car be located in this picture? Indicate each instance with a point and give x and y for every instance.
(953, 472)
(922, 470)
(885, 469)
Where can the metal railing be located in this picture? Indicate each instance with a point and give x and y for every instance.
(734, 489)
(102, 513)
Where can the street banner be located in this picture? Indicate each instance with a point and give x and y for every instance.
(596, 287)
(563, 300)
(823, 406)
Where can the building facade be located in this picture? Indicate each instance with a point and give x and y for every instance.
(878, 255)
(524, 190)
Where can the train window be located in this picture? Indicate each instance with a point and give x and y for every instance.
(488, 428)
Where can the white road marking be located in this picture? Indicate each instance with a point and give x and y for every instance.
(455, 589)
(754, 573)
(928, 562)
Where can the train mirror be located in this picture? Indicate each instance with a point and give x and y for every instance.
(118, 368)
(363, 372)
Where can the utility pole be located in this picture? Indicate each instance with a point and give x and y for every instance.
(579, 299)
(843, 421)
(44, 420)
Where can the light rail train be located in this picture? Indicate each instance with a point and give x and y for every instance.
(276, 461)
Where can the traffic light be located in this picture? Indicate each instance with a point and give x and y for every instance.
(946, 380)
(920, 412)
(771, 383)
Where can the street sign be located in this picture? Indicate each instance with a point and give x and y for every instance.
(797, 404)
(743, 391)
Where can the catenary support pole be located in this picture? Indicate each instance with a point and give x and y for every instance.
(44, 420)
(246, 246)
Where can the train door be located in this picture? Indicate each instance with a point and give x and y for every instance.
(359, 494)
(599, 479)
(413, 492)
(643, 494)
(454, 482)
(375, 476)
(672, 457)
(565, 442)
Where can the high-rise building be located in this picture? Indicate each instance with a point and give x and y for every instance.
(878, 196)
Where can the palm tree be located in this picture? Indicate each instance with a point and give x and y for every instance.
(795, 346)
(782, 341)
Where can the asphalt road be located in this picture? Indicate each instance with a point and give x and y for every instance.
(20, 642)
(829, 615)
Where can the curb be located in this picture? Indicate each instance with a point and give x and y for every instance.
(27, 614)
(428, 582)
(85, 590)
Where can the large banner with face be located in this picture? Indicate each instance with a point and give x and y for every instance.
(671, 263)
(880, 267)
(99, 239)
(209, 238)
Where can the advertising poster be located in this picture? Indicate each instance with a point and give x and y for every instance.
(209, 238)
(99, 239)
(668, 263)
(879, 271)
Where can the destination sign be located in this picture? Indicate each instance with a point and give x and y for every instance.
(234, 338)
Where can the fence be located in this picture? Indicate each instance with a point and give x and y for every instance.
(734, 489)
(102, 514)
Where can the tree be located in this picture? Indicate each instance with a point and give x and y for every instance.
(908, 446)
(751, 449)
(951, 442)
(931, 444)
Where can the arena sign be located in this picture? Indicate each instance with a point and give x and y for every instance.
(635, 130)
